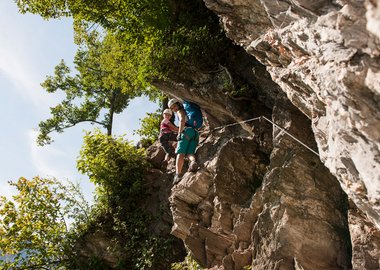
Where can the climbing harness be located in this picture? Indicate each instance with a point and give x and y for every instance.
(263, 117)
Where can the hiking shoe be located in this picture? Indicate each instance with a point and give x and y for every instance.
(193, 166)
(177, 178)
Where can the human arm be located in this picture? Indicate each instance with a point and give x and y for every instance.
(181, 121)
(172, 126)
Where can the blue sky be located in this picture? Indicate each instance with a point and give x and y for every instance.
(30, 48)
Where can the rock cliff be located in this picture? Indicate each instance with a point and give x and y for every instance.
(267, 199)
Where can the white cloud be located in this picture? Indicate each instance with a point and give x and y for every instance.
(42, 157)
(15, 59)
(128, 121)
(58, 160)
(14, 70)
(29, 49)
(7, 191)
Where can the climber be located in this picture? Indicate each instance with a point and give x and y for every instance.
(190, 119)
(168, 133)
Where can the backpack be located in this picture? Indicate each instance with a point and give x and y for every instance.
(194, 114)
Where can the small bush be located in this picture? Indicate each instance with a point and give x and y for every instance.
(114, 164)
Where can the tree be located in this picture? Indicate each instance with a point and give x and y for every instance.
(35, 225)
(144, 42)
(150, 128)
(123, 203)
(114, 164)
(93, 95)
(118, 14)
(165, 34)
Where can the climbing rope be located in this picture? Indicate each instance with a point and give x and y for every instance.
(263, 117)
(238, 123)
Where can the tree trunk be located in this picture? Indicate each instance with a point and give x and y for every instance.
(111, 113)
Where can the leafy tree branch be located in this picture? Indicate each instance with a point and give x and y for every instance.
(34, 224)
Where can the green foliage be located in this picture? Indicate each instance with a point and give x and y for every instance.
(126, 46)
(94, 263)
(118, 168)
(138, 25)
(188, 264)
(35, 224)
(150, 128)
(93, 95)
(131, 15)
(143, 249)
(190, 46)
(138, 42)
(155, 253)
(156, 38)
(113, 163)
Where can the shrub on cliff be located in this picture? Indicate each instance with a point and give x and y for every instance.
(118, 169)
(113, 164)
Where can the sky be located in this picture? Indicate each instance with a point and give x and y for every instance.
(30, 48)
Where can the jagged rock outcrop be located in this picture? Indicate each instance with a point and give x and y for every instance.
(261, 198)
(321, 54)
(365, 240)
(245, 207)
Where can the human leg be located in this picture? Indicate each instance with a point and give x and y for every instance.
(181, 150)
(165, 140)
(178, 167)
(193, 166)
(186, 146)
(179, 163)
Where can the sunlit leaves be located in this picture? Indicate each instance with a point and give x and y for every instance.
(46, 8)
(152, 37)
(124, 15)
(93, 95)
(150, 128)
(113, 163)
(35, 223)
(125, 46)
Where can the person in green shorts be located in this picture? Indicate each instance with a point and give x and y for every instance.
(188, 138)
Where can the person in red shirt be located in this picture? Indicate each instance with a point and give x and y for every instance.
(168, 133)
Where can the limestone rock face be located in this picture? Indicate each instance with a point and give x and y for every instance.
(261, 198)
(373, 16)
(245, 207)
(327, 62)
(365, 241)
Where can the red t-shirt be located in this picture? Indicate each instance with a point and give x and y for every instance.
(164, 127)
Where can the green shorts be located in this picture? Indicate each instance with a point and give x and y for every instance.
(188, 142)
